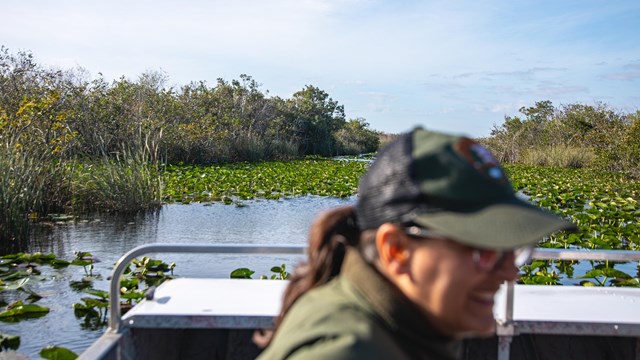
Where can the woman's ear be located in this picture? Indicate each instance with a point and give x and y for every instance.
(393, 249)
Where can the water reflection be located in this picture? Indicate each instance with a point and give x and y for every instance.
(282, 222)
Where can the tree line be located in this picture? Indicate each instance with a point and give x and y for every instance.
(73, 145)
(194, 123)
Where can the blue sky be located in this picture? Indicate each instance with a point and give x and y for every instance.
(457, 66)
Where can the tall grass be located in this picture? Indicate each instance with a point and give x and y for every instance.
(126, 182)
(36, 182)
(32, 182)
(16, 198)
(252, 148)
(559, 155)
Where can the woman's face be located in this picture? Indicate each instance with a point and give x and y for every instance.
(442, 278)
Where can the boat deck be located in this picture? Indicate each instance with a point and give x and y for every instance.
(572, 310)
(253, 304)
(218, 318)
(250, 304)
(209, 303)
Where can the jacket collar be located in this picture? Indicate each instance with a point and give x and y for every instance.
(405, 320)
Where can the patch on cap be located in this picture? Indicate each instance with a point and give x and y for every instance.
(481, 159)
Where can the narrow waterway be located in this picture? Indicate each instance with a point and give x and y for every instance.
(282, 222)
(107, 238)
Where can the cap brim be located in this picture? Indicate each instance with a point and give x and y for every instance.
(498, 226)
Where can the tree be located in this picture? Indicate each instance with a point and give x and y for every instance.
(355, 137)
(314, 117)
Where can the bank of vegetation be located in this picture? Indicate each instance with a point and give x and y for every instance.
(70, 145)
(570, 136)
(73, 145)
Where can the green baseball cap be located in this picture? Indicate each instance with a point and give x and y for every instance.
(454, 186)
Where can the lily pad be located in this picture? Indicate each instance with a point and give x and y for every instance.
(18, 310)
(57, 353)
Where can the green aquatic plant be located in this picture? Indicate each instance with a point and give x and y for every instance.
(137, 280)
(9, 342)
(139, 276)
(36, 258)
(18, 270)
(242, 273)
(603, 273)
(86, 260)
(57, 353)
(18, 311)
(233, 183)
(92, 310)
(603, 205)
(152, 272)
(539, 272)
(279, 273)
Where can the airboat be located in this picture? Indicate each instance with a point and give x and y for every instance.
(204, 318)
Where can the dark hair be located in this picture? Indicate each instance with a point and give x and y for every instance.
(329, 235)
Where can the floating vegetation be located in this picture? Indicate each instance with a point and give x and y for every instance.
(605, 208)
(92, 310)
(603, 205)
(57, 353)
(279, 273)
(232, 183)
(145, 273)
(17, 270)
(9, 342)
(19, 310)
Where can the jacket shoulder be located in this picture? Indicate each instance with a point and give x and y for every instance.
(332, 322)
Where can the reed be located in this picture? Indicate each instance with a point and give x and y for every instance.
(124, 182)
(559, 155)
(31, 186)
(15, 198)
(32, 179)
(253, 148)
(37, 179)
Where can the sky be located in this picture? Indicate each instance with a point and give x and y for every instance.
(455, 66)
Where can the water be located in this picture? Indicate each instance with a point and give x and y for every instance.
(282, 222)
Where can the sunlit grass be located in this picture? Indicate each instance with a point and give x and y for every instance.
(560, 155)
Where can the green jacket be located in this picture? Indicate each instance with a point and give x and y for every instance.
(358, 315)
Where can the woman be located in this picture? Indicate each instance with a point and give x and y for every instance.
(414, 266)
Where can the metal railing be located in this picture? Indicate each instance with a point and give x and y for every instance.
(115, 319)
(585, 254)
(507, 328)
(571, 254)
(125, 260)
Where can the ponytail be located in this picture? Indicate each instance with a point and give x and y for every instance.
(329, 236)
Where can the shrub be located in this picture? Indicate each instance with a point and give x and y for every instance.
(355, 138)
